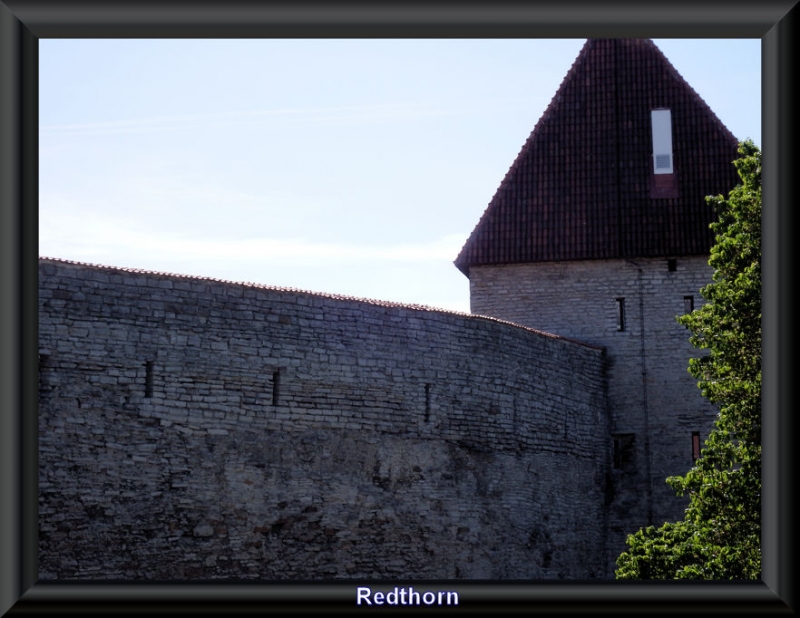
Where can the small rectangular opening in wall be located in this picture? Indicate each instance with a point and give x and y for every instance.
(428, 388)
(620, 314)
(276, 382)
(695, 445)
(44, 355)
(623, 450)
(148, 379)
(688, 304)
(672, 265)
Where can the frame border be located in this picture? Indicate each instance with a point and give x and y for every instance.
(24, 22)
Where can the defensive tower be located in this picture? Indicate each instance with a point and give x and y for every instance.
(600, 232)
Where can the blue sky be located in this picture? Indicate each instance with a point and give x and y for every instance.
(355, 167)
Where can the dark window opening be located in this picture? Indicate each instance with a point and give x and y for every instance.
(620, 314)
(276, 381)
(672, 265)
(148, 379)
(695, 445)
(427, 402)
(688, 304)
(623, 451)
(44, 355)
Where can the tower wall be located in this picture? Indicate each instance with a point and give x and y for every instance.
(654, 403)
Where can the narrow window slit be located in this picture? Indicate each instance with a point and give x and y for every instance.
(44, 356)
(695, 445)
(427, 402)
(276, 381)
(620, 314)
(148, 379)
(688, 304)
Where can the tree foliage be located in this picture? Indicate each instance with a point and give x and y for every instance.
(719, 537)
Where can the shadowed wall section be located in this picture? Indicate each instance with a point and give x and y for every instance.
(194, 428)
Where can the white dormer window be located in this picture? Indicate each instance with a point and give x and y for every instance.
(662, 141)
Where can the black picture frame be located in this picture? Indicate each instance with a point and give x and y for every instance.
(23, 23)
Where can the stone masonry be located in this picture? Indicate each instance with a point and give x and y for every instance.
(194, 428)
(654, 403)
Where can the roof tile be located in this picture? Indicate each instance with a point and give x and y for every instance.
(582, 186)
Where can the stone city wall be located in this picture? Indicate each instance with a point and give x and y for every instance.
(195, 428)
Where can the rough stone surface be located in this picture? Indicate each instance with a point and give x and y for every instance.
(651, 395)
(192, 428)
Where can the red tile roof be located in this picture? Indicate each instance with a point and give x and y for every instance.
(582, 187)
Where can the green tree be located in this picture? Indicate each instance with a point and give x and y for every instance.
(720, 535)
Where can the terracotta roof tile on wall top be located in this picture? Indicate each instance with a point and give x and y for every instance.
(88, 266)
(583, 187)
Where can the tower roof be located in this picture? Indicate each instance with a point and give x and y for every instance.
(583, 186)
